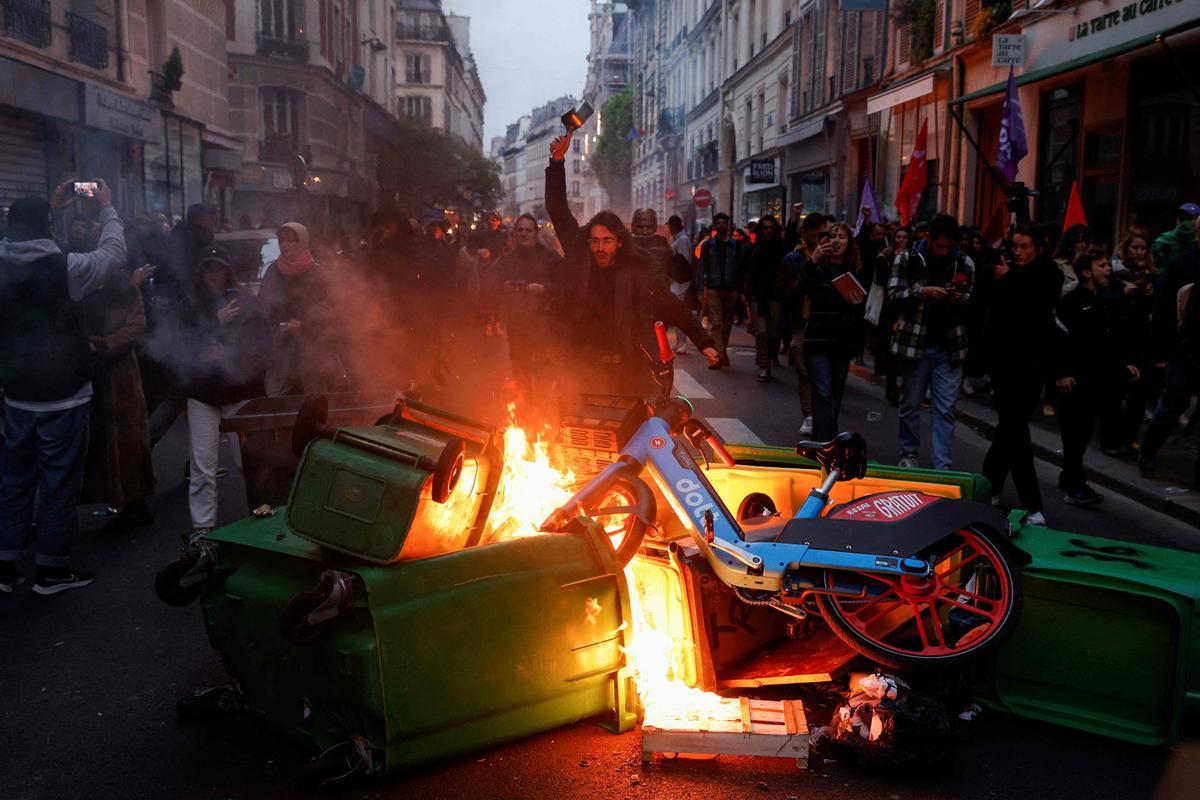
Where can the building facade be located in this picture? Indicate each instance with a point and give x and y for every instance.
(437, 83)
(83, 94)
(755, 104)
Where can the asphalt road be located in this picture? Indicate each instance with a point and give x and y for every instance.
(89, 679)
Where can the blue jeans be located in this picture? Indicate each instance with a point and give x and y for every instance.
(933, 369)
(45, 451)
(827, 376)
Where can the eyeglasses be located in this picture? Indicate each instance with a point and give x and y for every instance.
(607, 240)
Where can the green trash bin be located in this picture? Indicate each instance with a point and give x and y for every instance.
(425, 659)
(1108, 641)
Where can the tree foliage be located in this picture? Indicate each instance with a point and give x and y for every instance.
(614, 154)
(438, 169)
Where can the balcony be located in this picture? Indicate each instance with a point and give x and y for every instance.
(159, 93)
(291, 49)
(89, 41)
(28, 21)
(422, 33)
(279, 150)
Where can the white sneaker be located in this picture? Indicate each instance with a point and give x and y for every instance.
(806, 427)
(909, 462)
(1035, 518)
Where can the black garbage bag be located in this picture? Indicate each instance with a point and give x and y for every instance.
(886, 725)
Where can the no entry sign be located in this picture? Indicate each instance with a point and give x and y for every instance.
(702, 198)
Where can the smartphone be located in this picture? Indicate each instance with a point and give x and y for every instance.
(85, 188)
(824, 235)
(574, 119)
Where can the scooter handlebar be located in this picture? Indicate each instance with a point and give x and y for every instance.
(665, 353)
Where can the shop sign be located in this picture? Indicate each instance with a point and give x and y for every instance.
(116, 113)
(1008, 49)
(762, 171)
(1099, 24)
(1123, 15)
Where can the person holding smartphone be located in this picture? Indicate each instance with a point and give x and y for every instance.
(46, 371)
(931, 285)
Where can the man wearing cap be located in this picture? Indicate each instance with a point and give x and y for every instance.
(1178, 240)
(45, 370)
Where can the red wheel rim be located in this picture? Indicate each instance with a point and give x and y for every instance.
(912, 616)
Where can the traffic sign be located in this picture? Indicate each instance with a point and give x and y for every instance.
(702, 198)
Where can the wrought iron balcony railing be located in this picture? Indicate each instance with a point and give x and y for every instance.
(89, 41)
(28, 21)
(277, 149)
(159, 92)
(294, 49)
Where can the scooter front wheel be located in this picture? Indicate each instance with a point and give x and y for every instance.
(967, 607)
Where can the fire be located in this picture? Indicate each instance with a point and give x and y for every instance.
(660, 646)
(530, 487)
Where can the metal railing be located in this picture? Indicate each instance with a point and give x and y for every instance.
(293, 49)
(422, 33)
(159, 92)
(28, 21)
(277, 149)
(89, 41)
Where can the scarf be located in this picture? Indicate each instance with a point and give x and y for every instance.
(303, 261)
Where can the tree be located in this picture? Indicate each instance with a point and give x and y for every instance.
(434, 168)
(614, 154)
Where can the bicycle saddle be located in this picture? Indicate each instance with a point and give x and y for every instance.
(846, 452)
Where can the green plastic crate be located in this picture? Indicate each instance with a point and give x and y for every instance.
(438, 657)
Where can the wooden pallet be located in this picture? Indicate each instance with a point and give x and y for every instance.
(741, 726)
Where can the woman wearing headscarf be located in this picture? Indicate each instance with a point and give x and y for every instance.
(295, 296)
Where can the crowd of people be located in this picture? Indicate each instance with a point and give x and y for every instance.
(109, 338)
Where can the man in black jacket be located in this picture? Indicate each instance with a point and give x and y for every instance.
(1183, 383)
(616, 296)
(1087, 351)
(764, 283)
(719, 274)
(45, 370)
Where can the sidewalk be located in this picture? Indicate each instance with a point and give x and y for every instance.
(1169, 491)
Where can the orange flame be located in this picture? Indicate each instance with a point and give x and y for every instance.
(658, 651)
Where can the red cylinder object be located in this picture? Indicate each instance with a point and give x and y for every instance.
(665, 353)
(721, 453)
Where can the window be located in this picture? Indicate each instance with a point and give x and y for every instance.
(575, 188)
(416, 68)
(576, 166)
(280, 114)
(419, 108)
(576, 146)
(281, 20)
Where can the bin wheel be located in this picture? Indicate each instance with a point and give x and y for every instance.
(293, 619)
(310, 419)
(166, 583)
(449, 469)
(205, 703)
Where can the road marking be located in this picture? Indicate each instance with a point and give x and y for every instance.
(689, 387)
(733, 430)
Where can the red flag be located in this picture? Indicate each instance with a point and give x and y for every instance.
(997, 225)
(908, 198)
(1075, 214)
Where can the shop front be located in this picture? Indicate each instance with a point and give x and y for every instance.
(902, 111)
(762, 193)
(807, 160)
(1107, 105)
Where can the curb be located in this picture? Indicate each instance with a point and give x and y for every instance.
(1132, 491)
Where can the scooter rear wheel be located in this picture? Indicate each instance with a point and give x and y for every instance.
(966, 608)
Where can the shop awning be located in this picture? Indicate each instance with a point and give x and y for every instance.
(1078, 63)
(901, 94)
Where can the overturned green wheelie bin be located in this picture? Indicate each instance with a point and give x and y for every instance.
(364, 622)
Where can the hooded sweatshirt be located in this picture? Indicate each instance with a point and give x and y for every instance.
(85, 273)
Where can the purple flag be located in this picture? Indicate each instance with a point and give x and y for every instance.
(868, 201)
(1013, 144)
